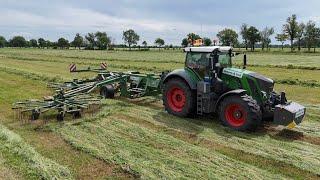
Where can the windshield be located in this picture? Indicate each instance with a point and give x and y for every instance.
(201, 60)
(225, 60)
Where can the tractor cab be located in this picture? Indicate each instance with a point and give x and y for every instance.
(205, 59)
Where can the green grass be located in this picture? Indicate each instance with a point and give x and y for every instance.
(138, 139)
(130, 134)
(22, 156)
(151, 153)
(15, 87)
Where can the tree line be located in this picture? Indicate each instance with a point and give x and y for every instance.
(91, 41)
(298, 33)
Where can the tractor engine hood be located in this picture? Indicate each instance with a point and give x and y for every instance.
(266, 84)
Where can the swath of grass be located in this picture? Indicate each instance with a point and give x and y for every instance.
(6, 172)
(25, 158)
(48, 144)
(300, 154)
(261, 162)
(151, 154)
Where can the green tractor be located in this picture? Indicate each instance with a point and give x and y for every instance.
(210, 84)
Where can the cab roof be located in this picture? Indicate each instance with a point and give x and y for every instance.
(208, 49)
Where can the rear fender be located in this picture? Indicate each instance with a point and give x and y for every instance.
(229, 93)
(188, 76)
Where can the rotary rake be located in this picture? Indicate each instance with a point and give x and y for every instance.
(77, 96)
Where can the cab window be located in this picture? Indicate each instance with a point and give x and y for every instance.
(225, 60)
(197, 60)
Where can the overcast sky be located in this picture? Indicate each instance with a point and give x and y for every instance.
(167, 19)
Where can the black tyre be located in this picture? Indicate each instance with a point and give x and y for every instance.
(35, 115)
(240, 113)
(107, 91)
(76, 115)
(60, 116)
(178, 98)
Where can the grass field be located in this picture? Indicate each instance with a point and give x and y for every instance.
(138, 139)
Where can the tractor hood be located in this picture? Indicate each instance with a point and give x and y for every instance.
(266, 84)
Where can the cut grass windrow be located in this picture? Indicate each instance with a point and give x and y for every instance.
(30, 75)
(306, 83)
(95, 61)
(290, 151)
(277, 155)
(289, 66)
(151, 154)
(261, 162)
(289, 81)
(24, 158)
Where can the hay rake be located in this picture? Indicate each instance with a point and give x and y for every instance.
(76, 97)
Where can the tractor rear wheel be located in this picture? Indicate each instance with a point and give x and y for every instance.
(240, 113)
(178, 98)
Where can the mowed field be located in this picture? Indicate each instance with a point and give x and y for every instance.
(137, 138)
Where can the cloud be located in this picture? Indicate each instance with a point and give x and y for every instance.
(167, 19)
(85, 20)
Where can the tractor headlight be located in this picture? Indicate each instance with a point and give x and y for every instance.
(264, 95)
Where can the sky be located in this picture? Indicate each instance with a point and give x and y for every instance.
(170, 20)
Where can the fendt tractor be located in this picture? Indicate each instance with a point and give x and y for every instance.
(242, 99)
(208, 84)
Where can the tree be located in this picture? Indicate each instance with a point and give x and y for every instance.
(265, 37)
(253, 37)
(300, 33)
(244, 34)
(48, 44)
(144, 43)
(228, 37)
(42, 42)
(63, 43)
(184, 42)
(312, 35)
(192, 37)
(130, 37)
(207, 41)
(291, 29)
(91, 38)
(33, 43)
(103, 40)
(159, 42)
(18, 41)
(77, 41)
(3, 42)
(281, 38)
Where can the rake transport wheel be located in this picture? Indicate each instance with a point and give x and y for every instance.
(107, 91)
(60, 116)
(76, 115)
(178, 98)
(240, 113)
(35, 115)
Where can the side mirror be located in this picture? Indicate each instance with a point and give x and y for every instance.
(244, 61)
(234, 54)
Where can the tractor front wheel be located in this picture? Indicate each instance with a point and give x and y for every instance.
(240, 113)
(178, 98)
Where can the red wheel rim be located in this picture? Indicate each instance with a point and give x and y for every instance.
(235, 115)
(176, 99)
